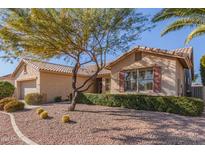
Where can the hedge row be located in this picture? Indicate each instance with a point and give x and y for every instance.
(179, 105)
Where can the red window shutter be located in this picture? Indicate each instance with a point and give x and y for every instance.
(121, 81)
(157, 79)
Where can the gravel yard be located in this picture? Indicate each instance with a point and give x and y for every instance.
(7, 134)
(105, 125)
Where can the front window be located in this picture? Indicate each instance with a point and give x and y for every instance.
(139, 80)
(128, 81)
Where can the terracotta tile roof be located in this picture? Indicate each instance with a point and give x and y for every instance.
(46, 66)
(5, 76)
(103, 71)
(181, 53)
(184, 53)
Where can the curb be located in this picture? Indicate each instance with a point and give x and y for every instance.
(17, 130)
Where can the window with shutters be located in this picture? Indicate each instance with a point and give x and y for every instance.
(139, 80)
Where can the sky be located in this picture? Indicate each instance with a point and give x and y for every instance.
(151, 38)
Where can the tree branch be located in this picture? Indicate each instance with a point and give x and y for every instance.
(87, 87)
(93, 77)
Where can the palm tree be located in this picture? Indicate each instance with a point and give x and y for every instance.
(192, 17)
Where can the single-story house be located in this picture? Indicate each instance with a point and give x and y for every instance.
(141, 70)
(7, 78)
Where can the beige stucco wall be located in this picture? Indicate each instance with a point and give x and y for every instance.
(168, 66)
(20, 76)
(53, 85)
(180, 79)
(103, 84)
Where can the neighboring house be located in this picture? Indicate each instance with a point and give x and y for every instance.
(140, 70)
(7, 78)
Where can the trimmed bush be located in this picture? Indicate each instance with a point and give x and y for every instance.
(39, 111)
(13, 106)
(44, 115)
(34, 99)
(6, 89)
(65, 118)
(179, 105)
(202, 69)
(58, 99)
(5, 101)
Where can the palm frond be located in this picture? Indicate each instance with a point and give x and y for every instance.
(165, 14)
(181, 23)
(200, 30)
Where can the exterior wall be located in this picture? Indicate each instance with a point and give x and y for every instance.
(20, 76)
(103, 83)
(53, 85)
(168, 70)
(180, 77)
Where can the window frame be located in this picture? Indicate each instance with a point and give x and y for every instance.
(131, 89)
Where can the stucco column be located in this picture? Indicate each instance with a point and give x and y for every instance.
(103, 85)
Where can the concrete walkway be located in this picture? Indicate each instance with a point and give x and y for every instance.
(29, 106)
(17, 130)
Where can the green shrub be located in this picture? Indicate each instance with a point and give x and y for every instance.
(13, 106)
(202, 69)
(6, 89)
(178, 105)
(39, 111)
(34, 99)
(44, 115)
(5, 101)
(58, 99)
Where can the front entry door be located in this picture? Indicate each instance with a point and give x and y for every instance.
(99, 85)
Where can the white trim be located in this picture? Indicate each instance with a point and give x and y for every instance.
(17, 130)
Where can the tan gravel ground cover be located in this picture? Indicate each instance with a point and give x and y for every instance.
(7, 134)
(106, 125)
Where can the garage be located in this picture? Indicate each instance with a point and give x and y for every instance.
(27, 87)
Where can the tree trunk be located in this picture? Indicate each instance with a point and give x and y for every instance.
(71, 107)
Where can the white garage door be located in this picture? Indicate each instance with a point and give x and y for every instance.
(27, 87)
